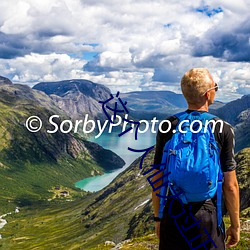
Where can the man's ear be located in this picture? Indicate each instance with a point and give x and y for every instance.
(207, 95)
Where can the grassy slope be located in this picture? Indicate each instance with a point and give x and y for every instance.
(150, 242)
(28, 168)
(243, 176)
(104, 218)
(49, 226)
(106, 215)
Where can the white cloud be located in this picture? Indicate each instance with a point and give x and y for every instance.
(140, 44)
(33, 16)
(117, 80)
(35, 68)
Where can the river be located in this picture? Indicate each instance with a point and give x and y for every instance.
(119, 145)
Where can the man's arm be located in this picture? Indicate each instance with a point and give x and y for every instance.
(156, 200)
(161, 139)
(232, 200)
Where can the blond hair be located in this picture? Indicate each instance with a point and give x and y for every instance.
(195, 83)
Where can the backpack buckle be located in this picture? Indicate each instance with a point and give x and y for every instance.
(172, 152)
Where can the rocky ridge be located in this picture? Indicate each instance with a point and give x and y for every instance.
(77, 97)
(4, 80)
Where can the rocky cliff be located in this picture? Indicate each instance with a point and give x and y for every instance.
(77, 97)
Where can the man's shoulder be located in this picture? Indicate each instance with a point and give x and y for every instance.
(227, 127)
(172, 119)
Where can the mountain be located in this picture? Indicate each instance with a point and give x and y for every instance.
(216, 105)
(242, 130)
(149, 104)
(77, 97)
(159, 104)
(4, 80)
(31, 164)
(243, 176)
(232, 110)
(237, 113)
(80, 97)
(121, 211)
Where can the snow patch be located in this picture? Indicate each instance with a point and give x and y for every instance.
(142, 204)
(141, 187)
(2, 223)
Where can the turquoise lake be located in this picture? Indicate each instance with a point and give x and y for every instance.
(119, 145)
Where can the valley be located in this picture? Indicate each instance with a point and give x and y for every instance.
(38, 171)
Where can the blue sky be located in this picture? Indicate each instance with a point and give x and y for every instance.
(126, 45)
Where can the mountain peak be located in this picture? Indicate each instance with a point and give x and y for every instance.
(77, 97)
(4, 80)
(63, 88)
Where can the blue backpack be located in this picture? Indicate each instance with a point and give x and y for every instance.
(191, 162)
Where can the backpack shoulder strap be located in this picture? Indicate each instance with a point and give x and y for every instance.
(182, 115)
(219, 200)
(208, 116)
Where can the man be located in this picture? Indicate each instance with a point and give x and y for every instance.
(199, 91)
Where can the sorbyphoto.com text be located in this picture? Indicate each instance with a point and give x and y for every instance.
(87, 126)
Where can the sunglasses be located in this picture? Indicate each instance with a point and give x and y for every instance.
(216, 87)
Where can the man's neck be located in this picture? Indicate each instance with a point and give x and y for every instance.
(198, 107)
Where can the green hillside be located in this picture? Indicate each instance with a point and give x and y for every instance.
(243, 176)
(87, 221)
(31, 164)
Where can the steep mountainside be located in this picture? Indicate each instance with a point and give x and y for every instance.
(130, 196)
(77, 97)
(237, 114)
(106, 215)
(32, 163)
(242, 130)
(232, 110)
(243, 175)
